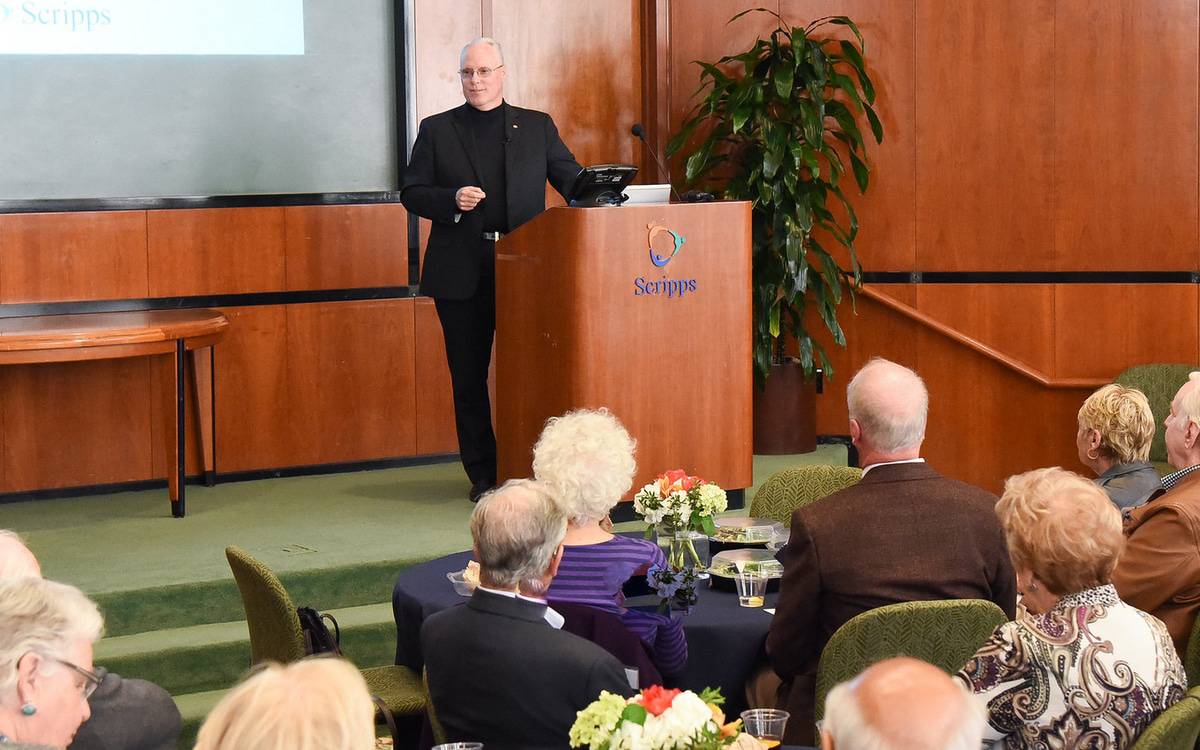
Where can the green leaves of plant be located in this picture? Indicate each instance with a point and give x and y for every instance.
(780, 132)
(635, 714)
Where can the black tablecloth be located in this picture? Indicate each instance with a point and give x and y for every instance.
(725, 641)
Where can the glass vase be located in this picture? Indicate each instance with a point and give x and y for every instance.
(684, 549)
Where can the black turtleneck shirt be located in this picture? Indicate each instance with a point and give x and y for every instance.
(488, 130)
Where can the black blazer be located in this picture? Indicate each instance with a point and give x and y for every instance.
(444, 160)
(500, 675)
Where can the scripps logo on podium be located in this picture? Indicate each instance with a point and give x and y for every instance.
(660, 257)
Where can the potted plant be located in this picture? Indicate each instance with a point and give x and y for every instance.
(781, 125)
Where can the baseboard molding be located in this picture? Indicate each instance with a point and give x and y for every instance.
(209, 478)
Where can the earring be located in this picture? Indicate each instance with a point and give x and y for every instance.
(28, 709)
(1092, 457)
(1032, 587)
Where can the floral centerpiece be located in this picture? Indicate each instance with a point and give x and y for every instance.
(679, 508)
(677, 502)
(658, 719)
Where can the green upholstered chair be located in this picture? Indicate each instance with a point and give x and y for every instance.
(945, 633)
(786, 490)
(275, 634)
(1191, 660)
(1159, 382)
(435, 726)
(1176, 728)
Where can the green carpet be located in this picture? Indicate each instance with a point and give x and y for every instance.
(128, 541)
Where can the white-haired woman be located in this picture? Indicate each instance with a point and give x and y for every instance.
(46, 634)
(320, 703)
(586, 458)
(1113, 440)
(1078, 667)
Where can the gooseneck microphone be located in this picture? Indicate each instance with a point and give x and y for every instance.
(640, 133)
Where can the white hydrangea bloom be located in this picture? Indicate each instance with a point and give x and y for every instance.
(679, 723)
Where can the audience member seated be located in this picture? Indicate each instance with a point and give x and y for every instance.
(126, 714)
(47, 630)
(500, 673)
(1115, 430)
(319, 703)
(1078, 667)
(901, 704)
(1159, 571)
(903, 533)
(586, 459)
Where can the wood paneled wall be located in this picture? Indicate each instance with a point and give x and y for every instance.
(1021, 135)
(296, 384)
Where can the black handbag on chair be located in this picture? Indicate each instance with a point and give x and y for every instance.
(319, 640)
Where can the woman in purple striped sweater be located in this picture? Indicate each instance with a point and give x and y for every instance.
(586, 457)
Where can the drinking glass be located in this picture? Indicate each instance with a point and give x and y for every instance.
(765, 724)
(751, 587)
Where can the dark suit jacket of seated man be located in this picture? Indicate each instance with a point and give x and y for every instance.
(903, 533)
(501, 675)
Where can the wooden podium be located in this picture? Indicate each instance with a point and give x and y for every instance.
(643, 309)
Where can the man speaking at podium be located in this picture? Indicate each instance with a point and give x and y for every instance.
(477, 172)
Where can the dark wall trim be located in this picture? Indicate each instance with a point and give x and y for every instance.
(236, 476)
(70, 205)
(1031, 277)
(21, 310)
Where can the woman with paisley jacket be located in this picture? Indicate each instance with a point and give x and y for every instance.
(1077, 667)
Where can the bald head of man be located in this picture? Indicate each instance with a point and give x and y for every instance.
(901, 704)
(16, 561)
(888, 405)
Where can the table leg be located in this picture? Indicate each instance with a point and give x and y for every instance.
(179, 465)
(202, 386)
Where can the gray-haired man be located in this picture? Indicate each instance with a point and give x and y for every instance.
(499, 672)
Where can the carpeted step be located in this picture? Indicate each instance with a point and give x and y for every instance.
(206, 602)
(207, 657)
(195, 707)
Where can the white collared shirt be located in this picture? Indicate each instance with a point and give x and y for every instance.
(552, 618)
(893, 463)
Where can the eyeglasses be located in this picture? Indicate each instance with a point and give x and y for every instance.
(91, 680)
(468, 73)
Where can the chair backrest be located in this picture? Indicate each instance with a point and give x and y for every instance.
(1159, 382)
(607, 631)
(435, 726)
(275, 633)
(945, 633)
(1191, 659)
(1175, 729)
(798, 486)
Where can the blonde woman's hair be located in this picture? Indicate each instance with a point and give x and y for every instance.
(44, 617)
(1123, 418)
(320, 703)
(586, 459)
(1062, 527)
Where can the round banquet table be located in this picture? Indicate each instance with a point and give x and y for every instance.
(725, 640)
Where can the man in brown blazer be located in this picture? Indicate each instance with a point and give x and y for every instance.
(903, 533)
(1159, 571)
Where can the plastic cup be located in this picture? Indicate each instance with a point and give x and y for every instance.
(765, 725)
(751, 587)
(460, 746)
